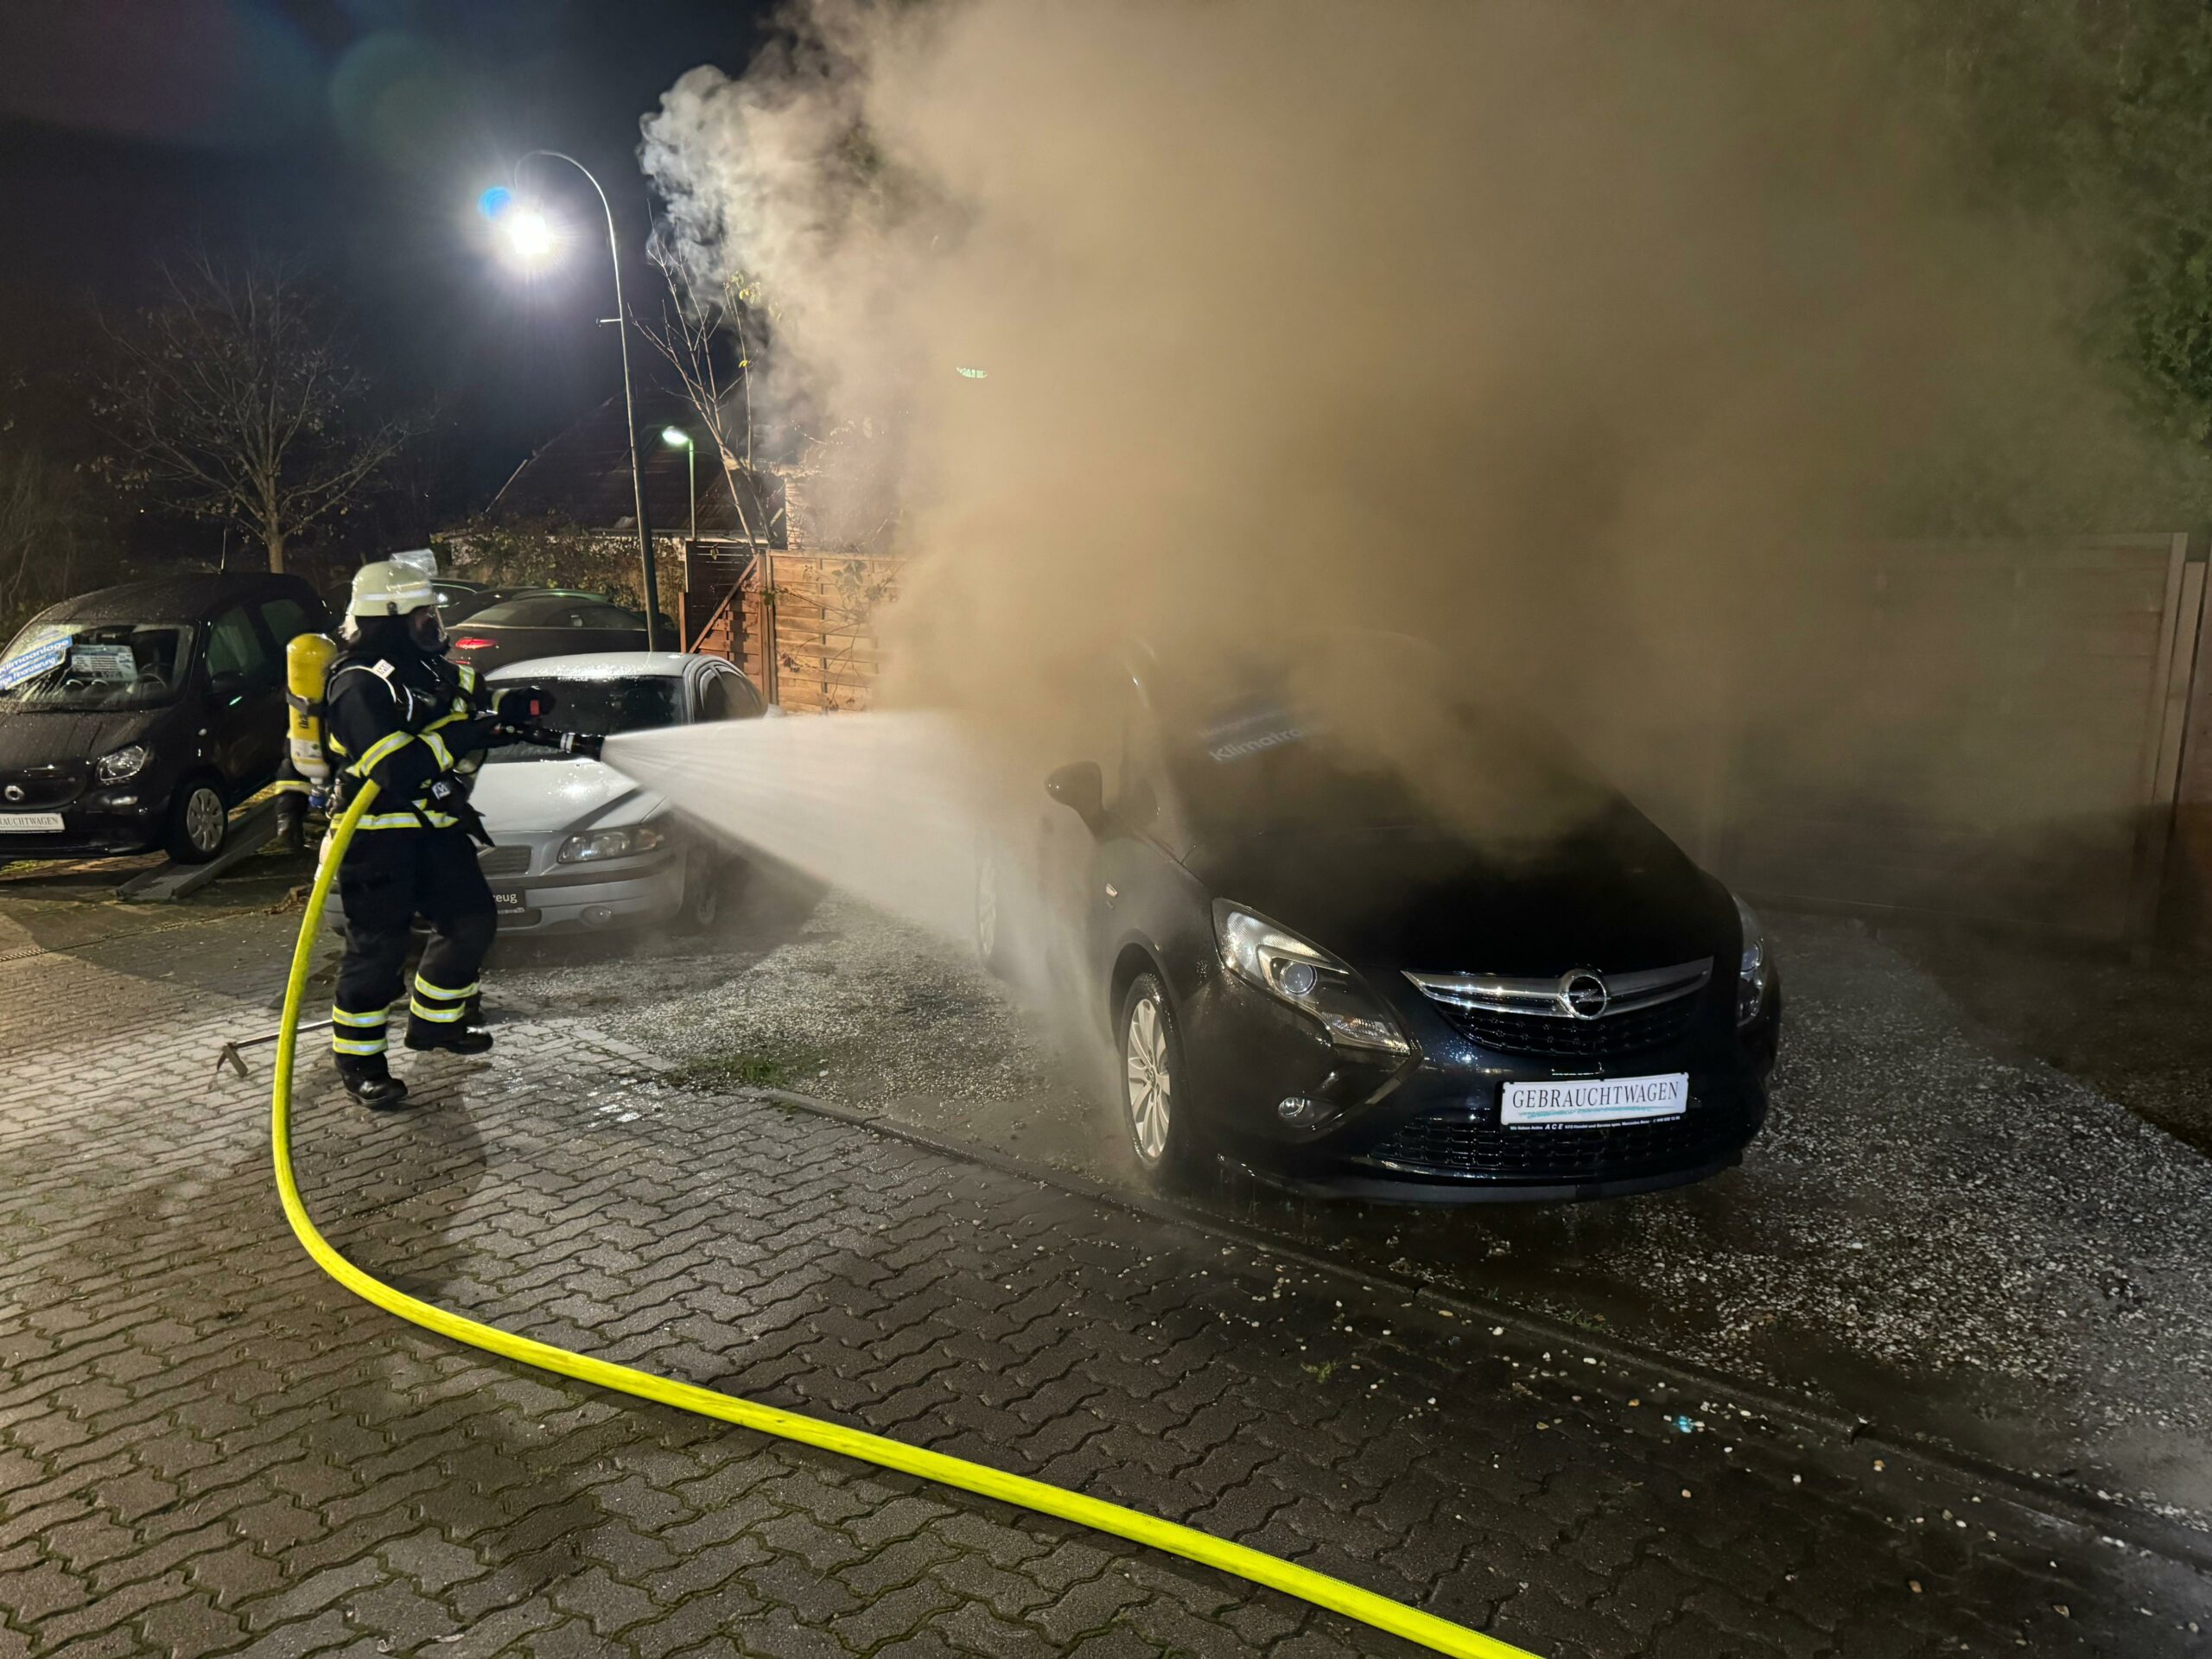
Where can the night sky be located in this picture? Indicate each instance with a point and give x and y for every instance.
(357, 136)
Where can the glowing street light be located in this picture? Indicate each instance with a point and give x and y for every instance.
(532, 239)
(673, 436)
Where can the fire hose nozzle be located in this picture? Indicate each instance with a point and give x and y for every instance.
(588, 744)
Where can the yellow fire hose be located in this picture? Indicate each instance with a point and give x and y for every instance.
(1440, 1635)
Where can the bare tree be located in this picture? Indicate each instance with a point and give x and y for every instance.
(42, 522)
(694, 319)
(234, 401)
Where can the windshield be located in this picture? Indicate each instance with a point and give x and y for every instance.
(86, 667)
(636, 703)
(1393, 746)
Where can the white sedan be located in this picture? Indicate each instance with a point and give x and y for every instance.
(575, 844)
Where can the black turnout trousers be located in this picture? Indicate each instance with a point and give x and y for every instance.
(389, 877)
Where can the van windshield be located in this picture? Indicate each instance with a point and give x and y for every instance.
(94, 667)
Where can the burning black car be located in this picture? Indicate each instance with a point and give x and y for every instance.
(1479, 974)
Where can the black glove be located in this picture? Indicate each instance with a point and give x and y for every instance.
(467, 736)
(446, 793)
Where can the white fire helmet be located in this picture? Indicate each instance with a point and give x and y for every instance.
(391, 587)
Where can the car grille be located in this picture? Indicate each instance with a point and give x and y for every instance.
(1583, 1040)
(1460, 1143)
(40, 787)
(504, 861)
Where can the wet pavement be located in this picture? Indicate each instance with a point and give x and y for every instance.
(208, 1448)
(1938, 1232)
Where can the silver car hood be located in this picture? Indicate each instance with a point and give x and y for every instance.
(540, 797)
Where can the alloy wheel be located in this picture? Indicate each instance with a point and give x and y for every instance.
(1150, 1087)
(205, 820)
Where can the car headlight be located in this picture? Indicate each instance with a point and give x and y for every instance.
(125, 762)
(610, 843)
(1306, 977)
(1750, 973)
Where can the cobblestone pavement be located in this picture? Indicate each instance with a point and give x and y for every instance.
(206, 1447)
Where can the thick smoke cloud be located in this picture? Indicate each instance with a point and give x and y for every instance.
(1554, 334)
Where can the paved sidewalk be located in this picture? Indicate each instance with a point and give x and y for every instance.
(206, 1447)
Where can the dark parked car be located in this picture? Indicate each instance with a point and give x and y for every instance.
(1482, 975)
(456, 600)
(550, 623)
(138, 716)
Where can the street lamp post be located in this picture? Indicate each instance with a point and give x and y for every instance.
(675, 435)
(629, 399)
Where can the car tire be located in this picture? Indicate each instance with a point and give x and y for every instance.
(1156, 1111)
(710, 888)
(200, 821)
(993, 948)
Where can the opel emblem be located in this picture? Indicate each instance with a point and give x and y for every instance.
(1583, 994)
(14, 791)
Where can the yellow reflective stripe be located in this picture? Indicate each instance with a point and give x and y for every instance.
(467, 678)
(379, 749)
(408, 821)
(424, 987)
(443, 720)
(443, 1016)
(346, 1017)
(438, 747)
(336, 747)
(346, 1045)
(291, 785)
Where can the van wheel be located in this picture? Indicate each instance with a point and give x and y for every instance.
(199, 822)
(1155, 1091)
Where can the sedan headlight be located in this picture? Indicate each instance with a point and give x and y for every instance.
(1306, 977)
(125, 762)
(610, 843)
(1750, 973)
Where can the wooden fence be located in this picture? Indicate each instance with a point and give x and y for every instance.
(802, 624)
(1987, 731)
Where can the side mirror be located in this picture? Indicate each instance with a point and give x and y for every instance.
(1081, 788)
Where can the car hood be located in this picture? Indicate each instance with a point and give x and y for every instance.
(43, 737)
(1614, 894)
(538, 797)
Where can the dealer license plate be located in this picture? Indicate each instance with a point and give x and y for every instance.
(506, 900)
(18, 822)
(1568, 1103)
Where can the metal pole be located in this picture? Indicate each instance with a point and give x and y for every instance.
(629, 400)
(691, 480)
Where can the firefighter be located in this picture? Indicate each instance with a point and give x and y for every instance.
(399, 713)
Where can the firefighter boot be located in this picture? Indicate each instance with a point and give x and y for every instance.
(451, 1038)
(369, 1080)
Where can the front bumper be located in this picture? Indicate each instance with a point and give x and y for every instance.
(1425, 1126)
(99, 825)
(626, 892)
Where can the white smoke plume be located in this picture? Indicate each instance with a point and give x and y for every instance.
(1551, 332)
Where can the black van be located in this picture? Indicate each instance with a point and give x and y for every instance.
(138, 716)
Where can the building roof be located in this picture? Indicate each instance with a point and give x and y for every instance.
(584, 476)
